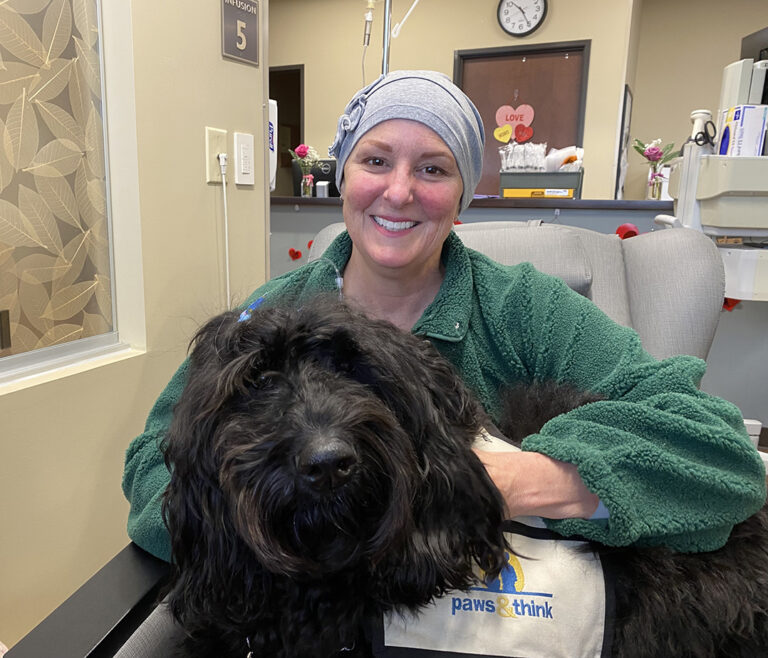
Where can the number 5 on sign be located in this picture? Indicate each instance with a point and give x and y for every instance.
(241, 40)
(240, 30)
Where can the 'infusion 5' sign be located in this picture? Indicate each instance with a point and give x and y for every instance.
(240, 30)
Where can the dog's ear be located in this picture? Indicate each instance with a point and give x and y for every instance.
(206, 550)
(457, 526)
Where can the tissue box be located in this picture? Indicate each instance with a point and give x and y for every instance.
(742, 130)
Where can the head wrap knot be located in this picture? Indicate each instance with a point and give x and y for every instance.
(349, 120)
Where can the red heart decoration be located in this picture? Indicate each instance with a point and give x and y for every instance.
(523, 133)
(295, 254)
(309, 244)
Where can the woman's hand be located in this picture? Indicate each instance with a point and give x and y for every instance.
(533, 484)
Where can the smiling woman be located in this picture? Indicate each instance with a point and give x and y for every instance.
(409, 150)
(402, 197)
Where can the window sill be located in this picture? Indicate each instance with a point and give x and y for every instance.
(43, 372)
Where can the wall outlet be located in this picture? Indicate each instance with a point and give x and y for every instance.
(215, 143)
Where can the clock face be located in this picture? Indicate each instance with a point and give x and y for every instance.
(521, 17)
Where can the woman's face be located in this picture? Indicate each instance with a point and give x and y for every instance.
(402, 190)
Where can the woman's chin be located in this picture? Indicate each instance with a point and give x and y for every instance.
(391, 259)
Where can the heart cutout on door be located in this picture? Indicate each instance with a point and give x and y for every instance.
(508, 115)
(523, 133)
(503, 133)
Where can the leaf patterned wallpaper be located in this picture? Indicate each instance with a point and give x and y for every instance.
(55, 277)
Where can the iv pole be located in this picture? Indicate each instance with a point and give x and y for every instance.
(387, 36)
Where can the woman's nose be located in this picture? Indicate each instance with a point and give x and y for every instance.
(399, 191)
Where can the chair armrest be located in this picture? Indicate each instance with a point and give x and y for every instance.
(100, 616)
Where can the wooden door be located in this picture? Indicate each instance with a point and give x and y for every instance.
(551, 78)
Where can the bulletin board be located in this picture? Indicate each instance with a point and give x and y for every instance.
(546, 83)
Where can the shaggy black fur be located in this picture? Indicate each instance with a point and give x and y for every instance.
(323, 474)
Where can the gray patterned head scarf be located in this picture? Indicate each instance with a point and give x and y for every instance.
(424, 96)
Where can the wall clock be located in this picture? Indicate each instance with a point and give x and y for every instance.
(521, 17)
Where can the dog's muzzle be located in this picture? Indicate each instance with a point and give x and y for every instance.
(326, 463)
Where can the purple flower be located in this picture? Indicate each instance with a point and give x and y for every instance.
(653, 153)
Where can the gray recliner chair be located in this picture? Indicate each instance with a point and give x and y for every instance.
(668, 285)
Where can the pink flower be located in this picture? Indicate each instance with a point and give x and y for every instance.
(653, 153)
(301, 150)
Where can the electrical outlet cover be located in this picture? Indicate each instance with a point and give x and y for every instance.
(215, 143)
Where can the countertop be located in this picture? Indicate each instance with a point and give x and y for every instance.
(575, 204)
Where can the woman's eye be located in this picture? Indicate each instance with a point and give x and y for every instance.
(376, 162)
(433, 170)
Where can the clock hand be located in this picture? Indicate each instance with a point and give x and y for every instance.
(522, 11)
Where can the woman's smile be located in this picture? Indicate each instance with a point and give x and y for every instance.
(393, 226)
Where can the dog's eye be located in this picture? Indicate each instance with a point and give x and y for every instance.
(268, 379)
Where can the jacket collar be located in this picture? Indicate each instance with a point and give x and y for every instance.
(446, 318)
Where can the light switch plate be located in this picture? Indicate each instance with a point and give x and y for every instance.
(215, 143)
(244, 164)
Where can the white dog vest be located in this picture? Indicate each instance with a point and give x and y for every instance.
(551, 601)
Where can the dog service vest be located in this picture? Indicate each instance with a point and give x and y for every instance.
(551, 600)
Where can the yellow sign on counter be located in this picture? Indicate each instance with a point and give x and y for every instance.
(536, 193)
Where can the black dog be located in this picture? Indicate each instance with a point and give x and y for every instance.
(322, 474)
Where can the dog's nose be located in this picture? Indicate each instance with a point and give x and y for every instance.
(327, 463)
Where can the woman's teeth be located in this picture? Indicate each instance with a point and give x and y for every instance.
(393, 226)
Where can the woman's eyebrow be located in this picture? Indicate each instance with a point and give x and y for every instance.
(376, 143)
(386, 146)
(437, 154)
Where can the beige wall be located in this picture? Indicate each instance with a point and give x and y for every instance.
(62, 514)
(670, 53)
(683, 48)
(332, 55)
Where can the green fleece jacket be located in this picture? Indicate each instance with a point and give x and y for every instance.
(674, 466)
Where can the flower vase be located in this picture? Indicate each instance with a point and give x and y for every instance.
(307, 183)
(655, 179)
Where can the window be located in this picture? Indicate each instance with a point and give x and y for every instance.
(55, 255)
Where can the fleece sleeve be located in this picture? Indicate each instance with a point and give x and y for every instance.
(146, 476)
(673, 465)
